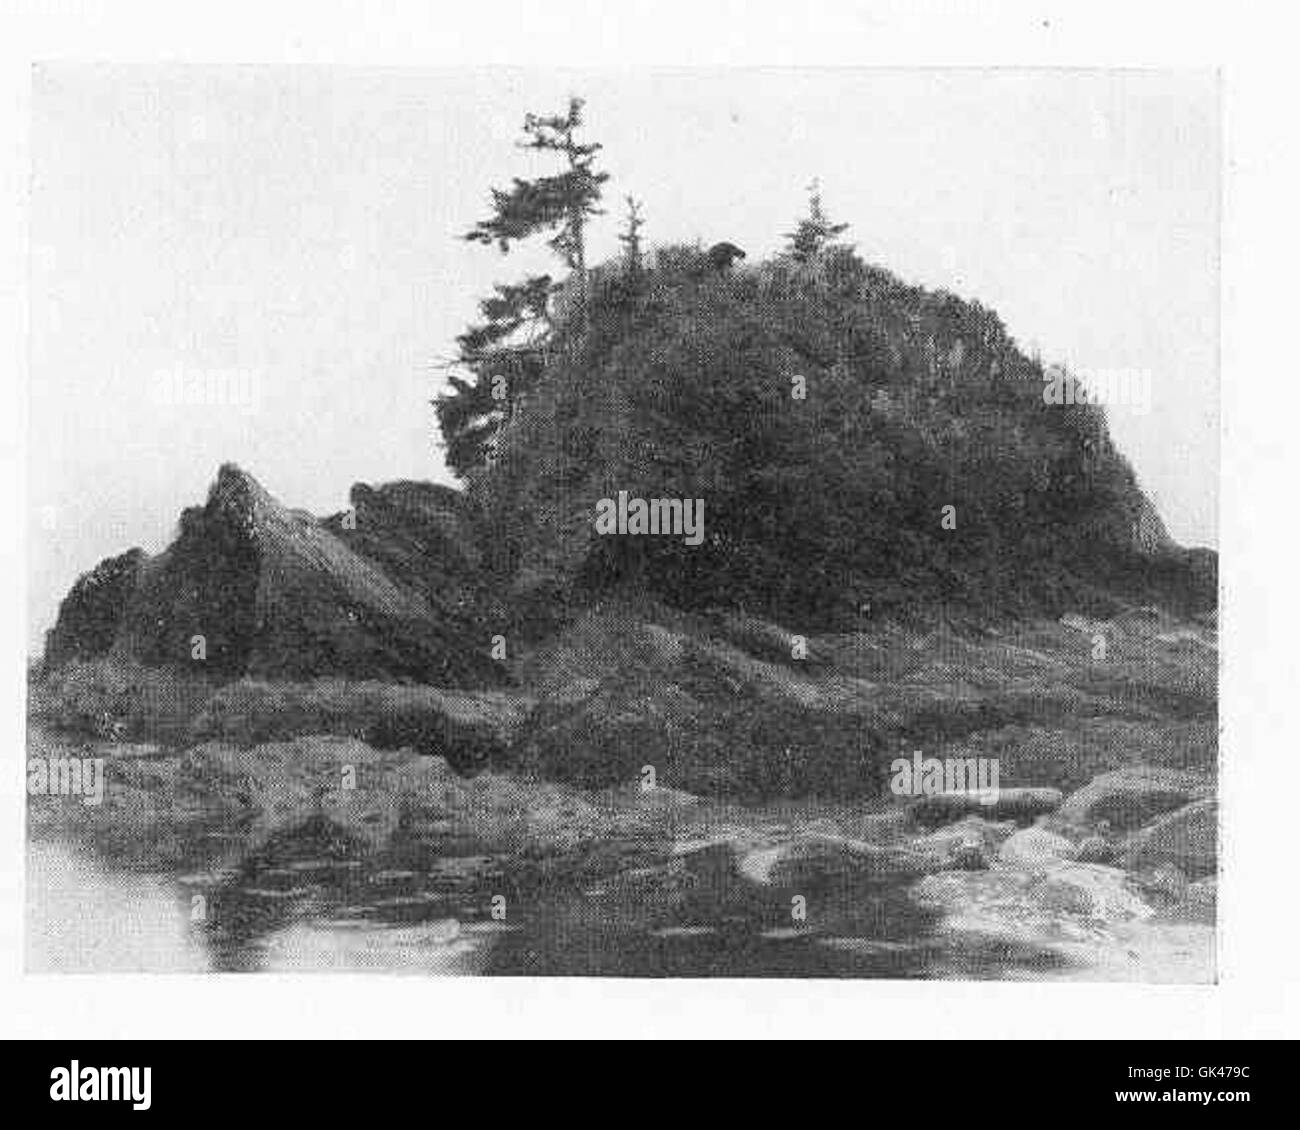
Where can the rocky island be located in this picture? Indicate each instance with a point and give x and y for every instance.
(472, 728)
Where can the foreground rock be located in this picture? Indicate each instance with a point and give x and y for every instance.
(156, 807)
(1051, 916)
(968, 845)
(1130, 797)
(985, 894)
(1068, 902)
(1186, 839)
(1036, 850)
(1053, 893)
(1021, 804)
(815, 861)
(813, 858)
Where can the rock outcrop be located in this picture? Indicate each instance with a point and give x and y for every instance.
(91, 613)
(619, 695)
(1130, 797)
(1021, 804)
(1186, 839)
(250, 587)
(166, 805)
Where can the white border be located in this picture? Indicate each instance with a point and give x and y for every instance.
(1258, 992)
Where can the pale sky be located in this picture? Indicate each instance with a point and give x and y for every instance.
(298, 226)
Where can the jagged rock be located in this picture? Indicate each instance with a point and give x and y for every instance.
(1187, 838)
(91, 613)
(1128, 798)
(251, 587)
(420, 535)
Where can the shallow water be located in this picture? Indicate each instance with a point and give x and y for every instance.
(296, 911)
(300, 906)
(84, 918)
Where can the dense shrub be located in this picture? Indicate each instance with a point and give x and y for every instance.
(915, 401)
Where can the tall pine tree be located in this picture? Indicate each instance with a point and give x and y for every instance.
(503, 367)
(560, 203)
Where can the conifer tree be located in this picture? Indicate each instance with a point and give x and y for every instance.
(560, 203)
(503, 367)
(630, 237)
(815, 231)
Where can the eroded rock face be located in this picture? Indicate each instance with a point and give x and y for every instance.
(421, 537)
(250, 587)
(91, 613)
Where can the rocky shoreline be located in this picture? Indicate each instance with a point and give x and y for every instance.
(1088, 883)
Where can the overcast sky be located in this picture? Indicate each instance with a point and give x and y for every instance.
(298, 227)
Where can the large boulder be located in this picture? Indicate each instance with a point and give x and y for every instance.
(1130, 797)
(1187, 839)
(1036, 849)
(1072, 902)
